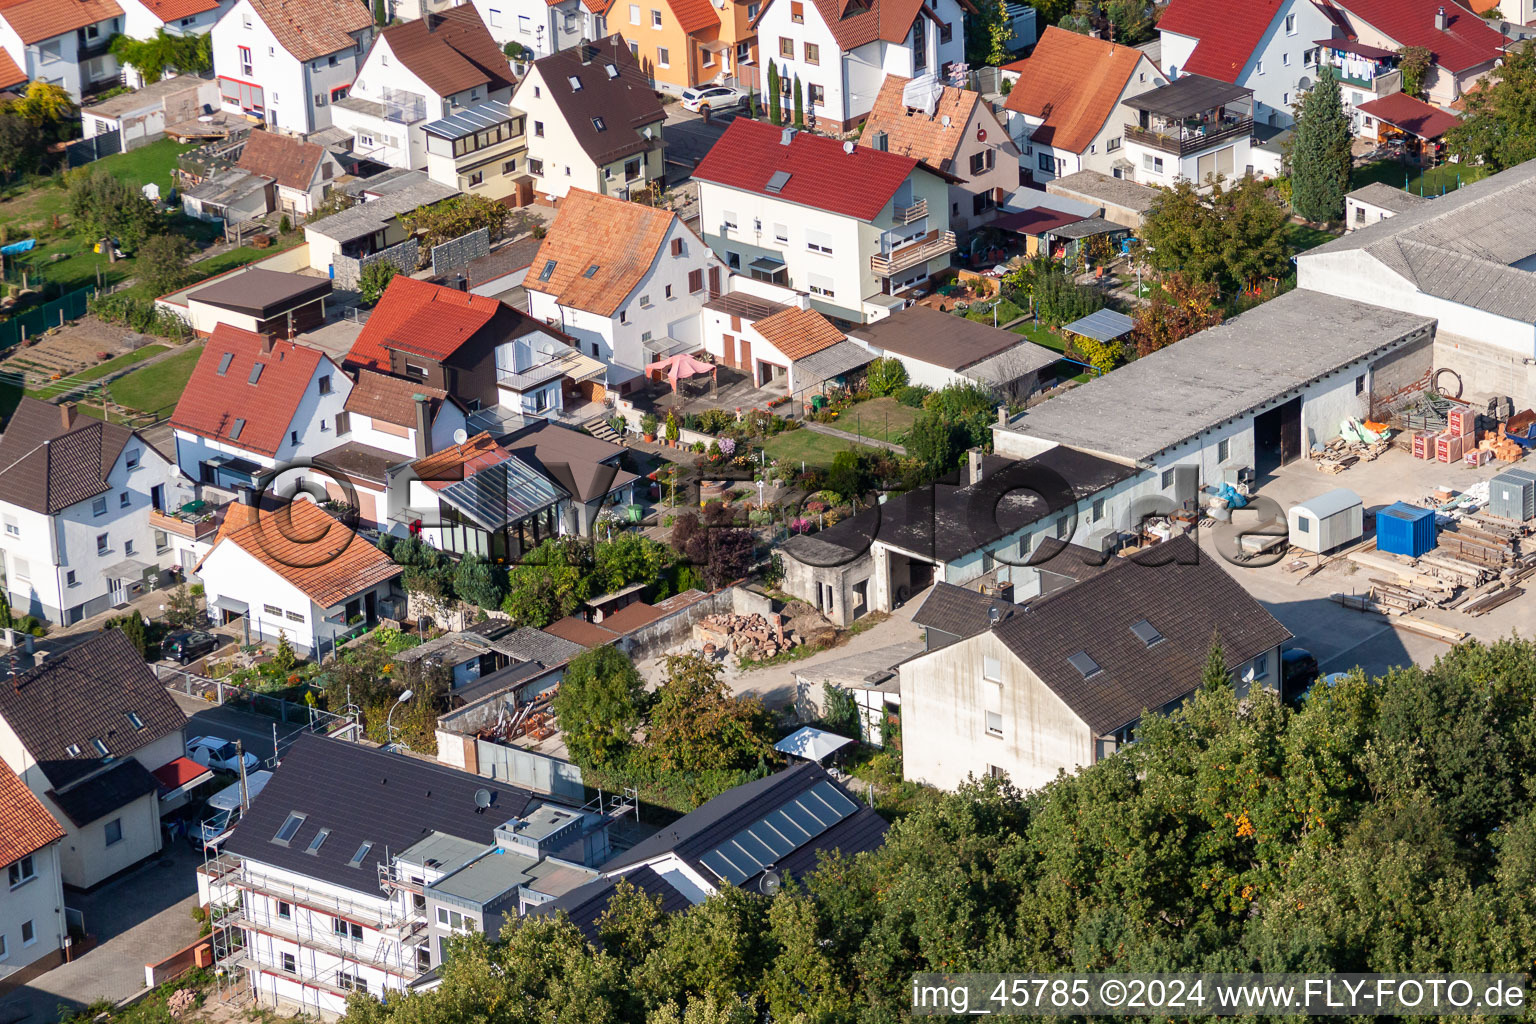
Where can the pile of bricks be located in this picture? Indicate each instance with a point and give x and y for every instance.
(746, 636)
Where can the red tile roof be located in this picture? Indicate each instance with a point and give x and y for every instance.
(1411, 115)
(1072, 82)
(1228, 33)
(602, 248)
(310, 549)
(224, 405)
(290, 162)
(447, 466)
(10, 74)
(821, 175)
(1037, 221)
(798, 332)
(454, 54)
(419, 317)
(25, 824)
(856, 22)
(313, 28)
(1466, 42)
(36, 20)
(694, 15)
(172, 10)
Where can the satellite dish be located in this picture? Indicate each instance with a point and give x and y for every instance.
(482, 798)
(848, 147)
(459, 437)
(944, 120)
(981, 134)
(770, 883)
(647, 133)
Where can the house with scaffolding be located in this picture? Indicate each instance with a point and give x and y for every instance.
(355, 886)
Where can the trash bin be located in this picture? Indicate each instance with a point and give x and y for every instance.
(817, 401)
(635, 513)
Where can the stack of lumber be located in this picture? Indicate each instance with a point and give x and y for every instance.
(1469, 542)
(1359, 443)
(1401, 574)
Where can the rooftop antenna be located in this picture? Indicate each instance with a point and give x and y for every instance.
(770, 883)
(482, 799)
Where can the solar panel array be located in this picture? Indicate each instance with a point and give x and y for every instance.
(502, 494)
(772, 838)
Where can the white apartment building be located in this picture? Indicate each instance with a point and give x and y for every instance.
(775, 205)
(75, 496)
(626, 311)
(284, 70)
(417, 73)
(64, 43)
(1193, 129)
(31, 886)
(841, 64)
(541, 26)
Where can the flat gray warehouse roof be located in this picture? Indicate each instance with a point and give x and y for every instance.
(1170, 396)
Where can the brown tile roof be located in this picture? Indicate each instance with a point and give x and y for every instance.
(25, 824)
(314, 28)
(227, 406)
(290, 162)
(391, 399)
(47, 466)
(580, 631)
(914, 331)
(694, 15)
(83, 694)
(453, 53)
(36, 20)
(310, 549)
(582, 464)
(798, 332)
(449, 465)
(856, 22)
(1072, 82)
(172, 10)
(912, 132)
(625, 103)
(621, 239)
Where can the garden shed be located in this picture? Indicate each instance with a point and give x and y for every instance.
(1328, 521)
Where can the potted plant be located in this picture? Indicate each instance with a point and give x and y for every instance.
(648, 426)
(671, 429)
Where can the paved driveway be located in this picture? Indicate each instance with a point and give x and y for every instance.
(688, 137)
(140, 918)
(259, 734)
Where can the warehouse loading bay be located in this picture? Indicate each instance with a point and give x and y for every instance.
(1341, 637)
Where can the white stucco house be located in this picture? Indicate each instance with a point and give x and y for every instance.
(31, 885)
(76, 496)
(767, 332)
(254, 403)
(842, 61)
(626, 281)
(541, 26)
(287, 70)
(64, 43)
(1192, 129)
(417, 73)
(296, 572)
(144, 19)
(780, 206)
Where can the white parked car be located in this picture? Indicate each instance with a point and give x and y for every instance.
(713, 97)
(216, 752)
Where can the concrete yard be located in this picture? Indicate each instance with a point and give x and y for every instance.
(1342, 638)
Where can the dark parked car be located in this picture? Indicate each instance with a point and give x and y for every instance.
(187, 645)
(1298, 670)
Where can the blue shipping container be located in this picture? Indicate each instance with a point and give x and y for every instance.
(1403, 529)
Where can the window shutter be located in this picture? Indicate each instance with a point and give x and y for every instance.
(695, 281)
(677, 247)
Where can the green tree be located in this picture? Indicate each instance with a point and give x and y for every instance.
(153, 57)
(1253, 238)
(549, 583)
(1130, 20)
(850, 475)
(284, 659)
(1498, 128)
(374, 280)
(1320, 156)
(987, 34)
(936, 442)
(1180, 308)
(132, 627)
(162, 263)
(628, 558)
(46, 105)
(799, 101)
(21, 145)
(1414, 62)
(103, 206)
(1215, 673)
(453, 218)
(477, 581)
(181, 610)
(381, 13)
(885, 376)
(775, 106)
(598, 705)
(1232, 237)
(841, 713)
(696, 725)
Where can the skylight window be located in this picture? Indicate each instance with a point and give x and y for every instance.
(256, 372)
(575, 83)
(99, 746)
(289, 829)
(224, 361)
(591, 271)
(612, 69)
(599, 124)
(1147, 633)
(778, 181)
(73, 750)
(315, 843)
(237, 430)
(134, 720)
(357, 858)
(548, 271)
(1084, 664)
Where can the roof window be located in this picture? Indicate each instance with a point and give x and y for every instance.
(591, 271)
(237, 430)
(256, 372)
(1147, 633)
(289, 829)
(599, 124)
(548, 271)
(134, 720)
(612, 69)
(73, 750)
(224, 361)
(777, 182)
(1084, 664)
(99, 745)
(315, 843)
(575, 83)
(362, 851)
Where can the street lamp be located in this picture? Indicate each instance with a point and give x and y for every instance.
(389, 723)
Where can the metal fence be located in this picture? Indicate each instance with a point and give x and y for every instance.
(85, 151)
(221, 693)
(56, 313)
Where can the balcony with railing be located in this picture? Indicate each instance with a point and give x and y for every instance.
(908, 214)
(909, 254)
(403, 107)
(1190, 115)
(193, 521)
(569, 363)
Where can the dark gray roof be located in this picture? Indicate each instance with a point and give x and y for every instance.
(500, 680)
(833, 361)
(586, 904)
(960, 612)
(1105, 189)
(531, 644)
(1387, 197)
(1088, 227)
(624, 101)
(96, 797)
(1186, 596)
(1187, 95)
(46, 466)
(82, 694)
(695, 835)
(914, 333)
(363, 794)
(262, 293)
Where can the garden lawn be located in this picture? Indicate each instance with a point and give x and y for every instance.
(53, 390)
(155, 389)
(1032, 330)
(883, 419)
(1300, 237)
(808, 446)
(1445, 178)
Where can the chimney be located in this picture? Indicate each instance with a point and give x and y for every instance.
(1440, 19)
(1002, 415)
(787, 137)
(266, 344)
(67, 415)
(246, 494)
(973, 464)
(423, 427)
(459, 283)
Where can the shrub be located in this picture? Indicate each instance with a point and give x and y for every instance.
(886, 376)
(912, 395)
(374, 279)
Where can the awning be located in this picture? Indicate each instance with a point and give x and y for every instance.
(715, 46)
(229, 604)
(180, 776)
(127, 569)
(770, 264)
(811, 743)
